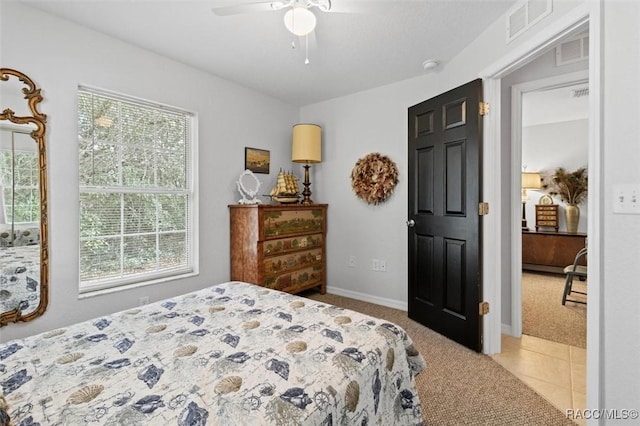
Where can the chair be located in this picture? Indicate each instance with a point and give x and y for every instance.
(572, 271)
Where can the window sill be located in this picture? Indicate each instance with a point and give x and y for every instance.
(92, 293)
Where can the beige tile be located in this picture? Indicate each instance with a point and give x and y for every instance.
(510, 343)
(579, 403)
(579, 400)
(560, 397)
(547, 347)
(578, 355)
(536, 365)
(579, 377)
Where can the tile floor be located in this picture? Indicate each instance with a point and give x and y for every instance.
(555, 371)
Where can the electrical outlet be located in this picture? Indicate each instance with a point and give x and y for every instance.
(143, 301)
(383, 266)
(375, 265)
(352, 261)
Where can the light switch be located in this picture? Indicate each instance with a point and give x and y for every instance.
(626, 199)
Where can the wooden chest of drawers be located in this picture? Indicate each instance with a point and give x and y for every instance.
(279, 246)
(550, 251)
(547, 216)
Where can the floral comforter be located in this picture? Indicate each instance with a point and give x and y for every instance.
(19, 278)
(231, 354)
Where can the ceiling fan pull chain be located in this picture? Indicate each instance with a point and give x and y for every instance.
(306, 42)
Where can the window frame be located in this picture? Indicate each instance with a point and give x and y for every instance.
(122, 282)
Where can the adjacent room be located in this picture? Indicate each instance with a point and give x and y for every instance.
(314, 212)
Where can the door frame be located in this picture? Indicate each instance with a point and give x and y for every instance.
(517, 91)
(590, 13)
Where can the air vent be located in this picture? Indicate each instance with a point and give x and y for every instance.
(578, 93)
(574, 50)
(524, 15)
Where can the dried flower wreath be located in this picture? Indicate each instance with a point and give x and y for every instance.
(374, 177)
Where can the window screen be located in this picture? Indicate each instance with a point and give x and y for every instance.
(136, 195)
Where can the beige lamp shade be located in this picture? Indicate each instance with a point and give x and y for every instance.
(530, 180)
(307, 146)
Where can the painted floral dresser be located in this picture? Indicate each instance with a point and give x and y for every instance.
(279, 246)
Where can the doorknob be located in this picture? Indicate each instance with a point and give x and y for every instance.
(411, 223)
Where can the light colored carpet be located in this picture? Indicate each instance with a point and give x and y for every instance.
(543, 314)
(460, 386)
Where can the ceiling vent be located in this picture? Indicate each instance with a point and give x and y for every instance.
(578, 93)
(524, 15)
(574, 50)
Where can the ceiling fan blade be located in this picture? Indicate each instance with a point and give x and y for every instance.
(359, 6)
(237, 9)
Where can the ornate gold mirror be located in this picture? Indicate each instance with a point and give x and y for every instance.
(24, 245)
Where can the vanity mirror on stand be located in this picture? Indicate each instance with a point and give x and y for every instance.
(24, 245)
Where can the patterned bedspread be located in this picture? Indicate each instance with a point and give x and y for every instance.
(231, 354)
(19, 277)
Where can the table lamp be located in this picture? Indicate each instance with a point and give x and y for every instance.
(307, 149)
(530, 180)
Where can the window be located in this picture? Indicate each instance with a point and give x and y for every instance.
(19, 179)
(136, 191)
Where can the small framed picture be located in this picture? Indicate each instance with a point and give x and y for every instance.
(256, 160)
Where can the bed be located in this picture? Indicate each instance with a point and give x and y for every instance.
(230, 354)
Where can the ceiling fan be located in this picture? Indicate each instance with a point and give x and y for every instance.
(298, 19)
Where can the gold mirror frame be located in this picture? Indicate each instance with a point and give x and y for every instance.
(33, 97)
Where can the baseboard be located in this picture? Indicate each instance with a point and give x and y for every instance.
(506, 329)
(390, 303)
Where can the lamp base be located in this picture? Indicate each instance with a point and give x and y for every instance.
(524, 218)
(306, 192)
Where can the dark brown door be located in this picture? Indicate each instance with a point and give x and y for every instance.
(445, 135)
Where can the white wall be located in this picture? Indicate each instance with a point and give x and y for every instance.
(546, 147)
(621, 266)
(58, 56)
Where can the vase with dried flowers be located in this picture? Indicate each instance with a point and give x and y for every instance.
(572, 188)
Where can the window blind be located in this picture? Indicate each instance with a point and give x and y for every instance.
(136, 191)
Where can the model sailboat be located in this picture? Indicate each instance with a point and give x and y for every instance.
(286, 189)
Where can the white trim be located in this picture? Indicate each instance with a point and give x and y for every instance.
(595, 225)
(516, 165)
(591, 13)
(506, 329)
(390, 303)
(492, 235)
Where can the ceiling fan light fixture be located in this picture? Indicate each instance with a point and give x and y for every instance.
(299, 21)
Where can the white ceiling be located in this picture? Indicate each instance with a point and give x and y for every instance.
(555, 105)
(385, 41)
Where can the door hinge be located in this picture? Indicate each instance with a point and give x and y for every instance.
(483, 108)
(484, 308)
(483, 208)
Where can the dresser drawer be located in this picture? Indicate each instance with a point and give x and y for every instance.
(301, 278)
(286, 245)
(288, 262)
(279, 223)
(547, 222)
